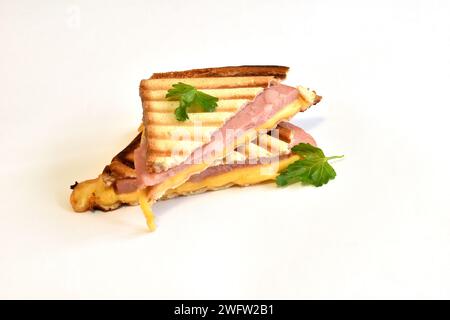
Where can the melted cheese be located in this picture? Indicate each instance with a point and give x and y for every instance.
(147, 210)
(94, 192)
(240, 176)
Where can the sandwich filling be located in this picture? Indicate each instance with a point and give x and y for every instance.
(117, 185)
(298, 135)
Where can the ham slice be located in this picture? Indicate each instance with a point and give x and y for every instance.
(299, 135)
(130, 184)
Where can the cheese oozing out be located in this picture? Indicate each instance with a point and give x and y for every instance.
(147, 210)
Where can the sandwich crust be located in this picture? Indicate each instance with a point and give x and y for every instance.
(278, 72)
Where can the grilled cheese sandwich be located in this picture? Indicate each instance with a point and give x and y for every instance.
(207, 147)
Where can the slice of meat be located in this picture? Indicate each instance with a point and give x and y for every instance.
(298, 134)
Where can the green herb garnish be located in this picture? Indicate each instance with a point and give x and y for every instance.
(191, 100)
(313, 167)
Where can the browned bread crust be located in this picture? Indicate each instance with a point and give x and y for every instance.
(278, 72)
(122, 165)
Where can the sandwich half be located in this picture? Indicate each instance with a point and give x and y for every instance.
(251, 99)
(259, 161)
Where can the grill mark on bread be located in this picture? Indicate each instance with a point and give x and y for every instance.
(215, 124)
(222, 94)
(243, 97)
(208, 83)
(175, 132)
(156, 153)
(195, 119)
(228, 105)
(190, 136)
(169, 144)
(185, 124)
(172, 111)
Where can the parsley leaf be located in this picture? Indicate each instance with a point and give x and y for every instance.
(313, 167)
(190, 98)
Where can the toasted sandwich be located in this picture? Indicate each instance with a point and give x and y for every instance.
(177, 145)
(257, 162)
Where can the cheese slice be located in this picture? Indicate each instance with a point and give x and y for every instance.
(147, 210)
(95, 193)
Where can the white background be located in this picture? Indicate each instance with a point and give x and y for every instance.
(69, 101)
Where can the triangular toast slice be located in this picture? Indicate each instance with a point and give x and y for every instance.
(169, 141)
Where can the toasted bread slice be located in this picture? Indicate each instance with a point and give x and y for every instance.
(102, 193)
(170, 141)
